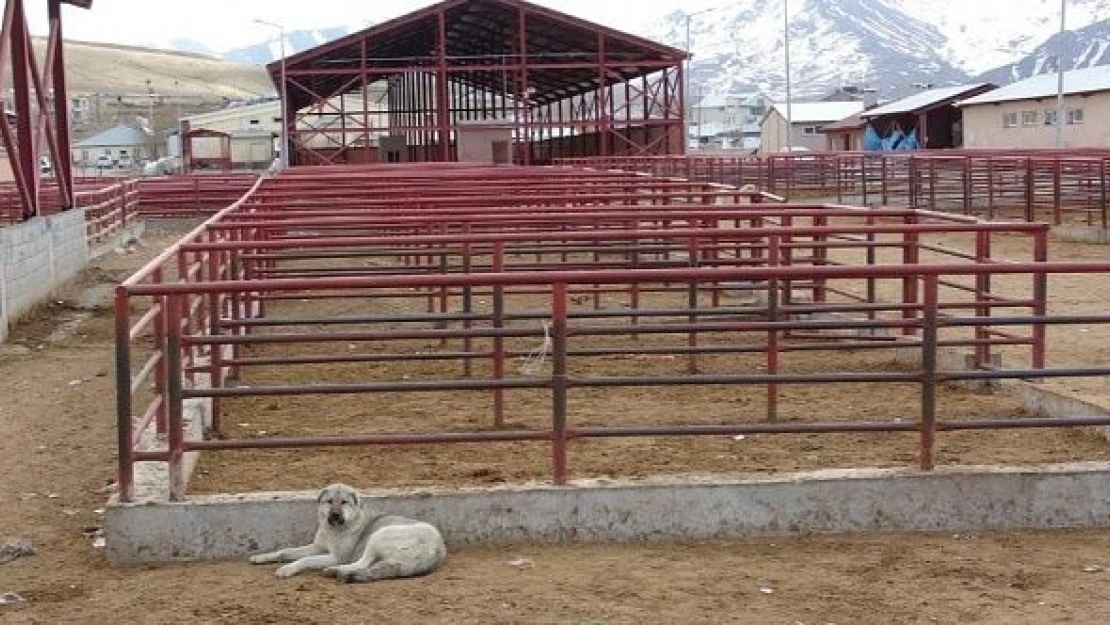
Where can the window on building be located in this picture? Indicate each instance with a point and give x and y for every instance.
(1030, 118)
(254, 122)
(1009, 120)
(1075, 116)
(1050, 116)
(809, 130)
(277, 120)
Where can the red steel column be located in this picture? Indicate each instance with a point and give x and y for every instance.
(443, 101)
(63, 167)
(25, 155)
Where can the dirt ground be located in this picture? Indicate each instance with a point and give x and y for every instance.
(56, 456)
(520, 462)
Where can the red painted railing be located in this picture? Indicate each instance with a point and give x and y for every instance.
(451, 249)
(1031, 185)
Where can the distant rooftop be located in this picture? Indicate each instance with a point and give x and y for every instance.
(927, 99)
(1077, 81)
(721, 100)
(120, 135)
(818, 112)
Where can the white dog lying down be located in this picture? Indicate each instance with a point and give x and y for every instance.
(356, 545)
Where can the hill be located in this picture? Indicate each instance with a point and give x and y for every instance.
(116, 69)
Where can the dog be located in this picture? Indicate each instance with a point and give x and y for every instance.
(354, 543)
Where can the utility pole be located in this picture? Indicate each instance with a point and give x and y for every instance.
(281, 94)
(1060, 79)
(689, 113)
(786, 48)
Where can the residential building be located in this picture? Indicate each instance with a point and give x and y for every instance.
(727, 113)
(1024, 114)
(807, 128)
(121, 146)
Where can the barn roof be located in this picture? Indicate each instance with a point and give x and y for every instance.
(1090, 80)
(818, 112)
(920, 102)
(481, 32)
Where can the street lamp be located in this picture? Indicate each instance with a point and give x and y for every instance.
(1060, 79)
(689, 71)
(786, 49)
(282, 94)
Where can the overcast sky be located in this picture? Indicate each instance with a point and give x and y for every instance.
(225, 24)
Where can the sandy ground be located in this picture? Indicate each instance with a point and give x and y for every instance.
(57, 439)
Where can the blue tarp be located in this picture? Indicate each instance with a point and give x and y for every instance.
(896, 141)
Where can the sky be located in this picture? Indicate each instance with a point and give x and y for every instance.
(227, 24)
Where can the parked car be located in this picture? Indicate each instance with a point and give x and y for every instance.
(104, 161)
(125, 161)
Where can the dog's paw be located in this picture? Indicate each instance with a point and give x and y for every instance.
(262, 558)
(331, 571)
(286, 571)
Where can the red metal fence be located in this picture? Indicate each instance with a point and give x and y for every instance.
(1042, 185)
(112, 204)
(481, 258)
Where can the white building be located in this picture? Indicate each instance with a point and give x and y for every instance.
(807, 122)
(729, 120)
(238, 137)
(1023, 114)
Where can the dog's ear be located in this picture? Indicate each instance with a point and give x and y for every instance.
(320, 497)
(354, 498)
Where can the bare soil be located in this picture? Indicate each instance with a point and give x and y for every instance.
(58, 439)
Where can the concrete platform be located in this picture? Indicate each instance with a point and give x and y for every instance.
(964, 499)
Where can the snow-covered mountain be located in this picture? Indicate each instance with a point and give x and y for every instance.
(890, 46)
(1083, 48)
(886, 45)
(295, 41)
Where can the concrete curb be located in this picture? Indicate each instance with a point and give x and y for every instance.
(959, 499)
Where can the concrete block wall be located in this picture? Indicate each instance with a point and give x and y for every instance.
(36, 258)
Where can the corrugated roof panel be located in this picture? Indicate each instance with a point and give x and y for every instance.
(922, 100)
(120, 135)
(1045, 86)
(823, 112)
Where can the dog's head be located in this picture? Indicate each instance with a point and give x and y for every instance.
(338, 506)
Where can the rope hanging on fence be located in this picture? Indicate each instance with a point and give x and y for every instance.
(537, 358)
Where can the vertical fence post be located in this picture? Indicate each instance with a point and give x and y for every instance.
(126, 474)
(559, 382)
(1030, 191)
(1103, 196)
(1057, 193)
(215, 350)
(498, 341)
(930, 330)
(773, 286)
(1040, 297)
(982, 299)
(467, 306)
(910, 257)
(160, 321)
(176, 436)
(693, 249)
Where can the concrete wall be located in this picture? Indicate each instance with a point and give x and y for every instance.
(37, 257)
(983, 126)
(887, 500)
(476, 144)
